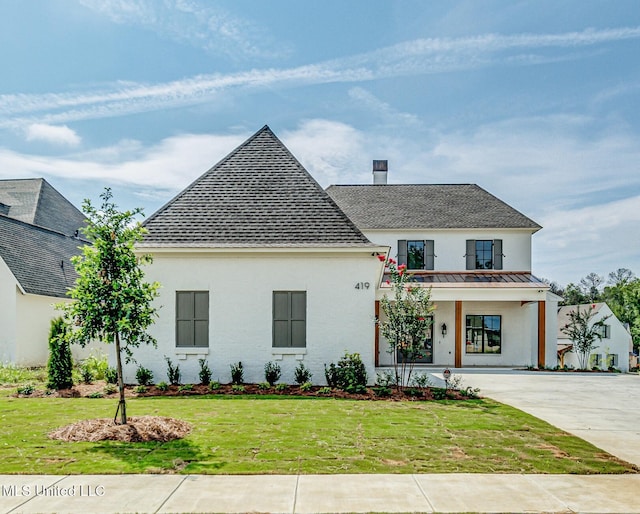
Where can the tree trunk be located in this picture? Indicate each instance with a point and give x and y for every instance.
(122, 406)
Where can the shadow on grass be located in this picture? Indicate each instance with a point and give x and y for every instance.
(153, 457)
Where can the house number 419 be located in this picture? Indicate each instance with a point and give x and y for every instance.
(363, 285)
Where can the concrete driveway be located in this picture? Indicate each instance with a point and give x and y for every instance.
(601, 408)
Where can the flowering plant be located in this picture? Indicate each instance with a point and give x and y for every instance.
(407, 320)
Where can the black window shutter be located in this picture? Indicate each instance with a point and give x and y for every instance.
(402, 252)
(429, 254)
(471, 254)
(497, 254)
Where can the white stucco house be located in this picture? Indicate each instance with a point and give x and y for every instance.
(474, 251)
(38, 237)
(258, 263)
(613, 350)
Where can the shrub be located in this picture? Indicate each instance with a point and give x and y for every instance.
(381, 390)
(98, 364)
(95, 394)
(205, 371)
(110, 389)
(272, 372)
(349, 374)
(421, 380)
(214, 385)
(111, 376)
(324, 391)
(185, 387)
(385, 379)
(237, 388)
(144, 376)
(60, 366)
(332, 375)
(140, 389)
(439, 393)
(86, 374)
(26, 390)
(162, 386)
(263, 386)
(306, 386)
(281, 387)
(237, 373)
(302, 374)
(173, 372)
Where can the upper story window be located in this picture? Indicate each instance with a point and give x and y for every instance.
(604, 331)
(484, 254)
(416, 254)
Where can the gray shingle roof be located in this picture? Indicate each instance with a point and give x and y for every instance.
(35, 201)
(39, 258)
(257, 196)
(426, 206)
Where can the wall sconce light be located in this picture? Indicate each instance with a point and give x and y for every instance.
(444, 329)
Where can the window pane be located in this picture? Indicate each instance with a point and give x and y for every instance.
(184, 333)
(280, 305)
(298, 334)
(484, 334)
(201, 333)
(415, 250)
(280, 333)
(484, 254)
(184, 309)
(298, 305)
(201, 308)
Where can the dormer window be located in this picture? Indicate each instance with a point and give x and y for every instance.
(416, 254)
(484, 254)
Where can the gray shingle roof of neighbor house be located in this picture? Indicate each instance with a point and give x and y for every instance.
(257, 196)
(427, 206)
(36, 202)
(38, 257)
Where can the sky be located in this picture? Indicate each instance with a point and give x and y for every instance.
(537, 102)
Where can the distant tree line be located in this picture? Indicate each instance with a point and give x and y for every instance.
(620, 291)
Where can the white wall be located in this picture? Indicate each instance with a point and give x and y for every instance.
(450, 245)
(8, 286)
(339, 316)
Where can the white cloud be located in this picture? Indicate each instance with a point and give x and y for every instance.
(383, 110)
(197, 23)
(60, 135)
(422, 56)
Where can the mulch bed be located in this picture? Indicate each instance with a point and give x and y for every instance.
(137, 429)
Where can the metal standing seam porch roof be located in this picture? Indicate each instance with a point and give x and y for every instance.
(257, 196)
(484, 279)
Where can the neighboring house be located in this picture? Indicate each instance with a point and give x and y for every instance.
(615, 349)
(38, 237)
(474, 251)
(257, 264)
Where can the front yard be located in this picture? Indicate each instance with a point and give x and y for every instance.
(247, 434)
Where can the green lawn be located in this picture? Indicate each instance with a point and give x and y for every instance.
(257, 435)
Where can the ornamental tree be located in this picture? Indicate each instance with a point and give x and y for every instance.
(407, 320)
(111, 300)
(584, 334)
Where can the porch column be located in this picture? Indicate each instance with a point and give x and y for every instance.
(458, 350)
(542, 332)
(377, 334)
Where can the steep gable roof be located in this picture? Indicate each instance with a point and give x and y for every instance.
(426, 206)
(257, 196)
(36, 202)
(39, 258)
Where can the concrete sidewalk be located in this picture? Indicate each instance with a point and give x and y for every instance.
(320, 493)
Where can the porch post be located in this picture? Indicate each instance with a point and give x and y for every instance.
(458, 350)
(542, 332)
(377, 334)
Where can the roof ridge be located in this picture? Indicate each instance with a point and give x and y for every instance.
(41, 228)
(164, 207)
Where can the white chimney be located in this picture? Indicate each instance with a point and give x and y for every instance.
(380, 172)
